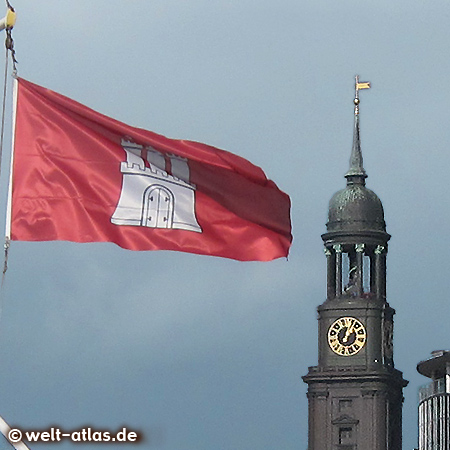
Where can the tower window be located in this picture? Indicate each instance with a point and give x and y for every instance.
(345, 436)
(345, 270)
(366, 274)
(350, 275)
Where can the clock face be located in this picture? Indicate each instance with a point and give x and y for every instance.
(347, 336)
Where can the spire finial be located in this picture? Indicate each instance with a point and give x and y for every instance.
(356, 173)
(358, 86)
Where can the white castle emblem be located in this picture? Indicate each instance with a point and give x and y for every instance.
(150, 196)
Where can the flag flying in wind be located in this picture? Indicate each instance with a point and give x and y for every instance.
(83, 177)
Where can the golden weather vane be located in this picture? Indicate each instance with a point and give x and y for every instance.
(358, 86)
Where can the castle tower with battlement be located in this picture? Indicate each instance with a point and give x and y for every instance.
(151, 196)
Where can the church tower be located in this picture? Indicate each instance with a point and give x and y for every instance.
(354, 393)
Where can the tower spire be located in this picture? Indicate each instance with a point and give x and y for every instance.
(356, 173)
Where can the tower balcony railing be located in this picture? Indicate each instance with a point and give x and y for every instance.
(434, 388)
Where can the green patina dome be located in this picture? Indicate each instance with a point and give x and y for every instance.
(355, 208)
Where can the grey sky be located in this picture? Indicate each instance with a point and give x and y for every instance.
(204, 353)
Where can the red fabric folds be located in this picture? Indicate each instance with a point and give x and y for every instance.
(83, 177)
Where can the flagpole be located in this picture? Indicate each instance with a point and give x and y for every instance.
(9, 201)
(5, 429)
(7, 24)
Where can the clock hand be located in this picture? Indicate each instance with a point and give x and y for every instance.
(348, 332)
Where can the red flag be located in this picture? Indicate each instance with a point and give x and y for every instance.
(83, 177)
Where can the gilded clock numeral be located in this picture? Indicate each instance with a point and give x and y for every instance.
(346, 336)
